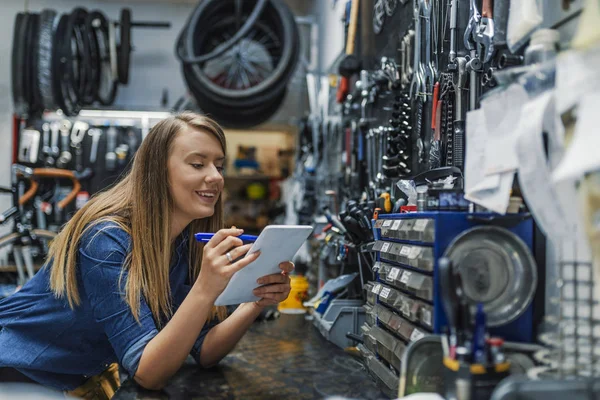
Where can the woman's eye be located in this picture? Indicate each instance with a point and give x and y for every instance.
(221, 170)
(197, 166)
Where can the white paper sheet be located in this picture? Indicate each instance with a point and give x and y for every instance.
(534, 171)
(576, 74)
(475, 135)
(492, 191)
(582, 155)
(502, 115)
(496, 199)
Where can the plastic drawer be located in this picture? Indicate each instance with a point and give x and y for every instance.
(370, 341)
(405, 229)
(370, 295)
(386, 379)
(417, 284)
(392, 231)
(388, 347)
(370, 316)
(413, 282)
(423, 230)
(426, 315)
(419, 257)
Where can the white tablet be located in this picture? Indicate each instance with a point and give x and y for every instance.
(277, 243)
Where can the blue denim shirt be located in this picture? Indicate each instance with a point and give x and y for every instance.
(42, 337)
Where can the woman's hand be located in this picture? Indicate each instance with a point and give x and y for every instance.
(277, 286)
(217, 268)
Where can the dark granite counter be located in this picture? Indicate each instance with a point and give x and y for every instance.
(282, 359)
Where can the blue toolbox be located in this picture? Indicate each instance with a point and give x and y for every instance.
(406, 297)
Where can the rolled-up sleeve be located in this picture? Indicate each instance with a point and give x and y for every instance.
(102, 253)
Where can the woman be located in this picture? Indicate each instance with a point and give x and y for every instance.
(126, 283)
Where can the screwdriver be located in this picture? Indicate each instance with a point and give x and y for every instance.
(449, 301)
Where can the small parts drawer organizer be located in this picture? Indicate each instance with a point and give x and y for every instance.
(404, 303)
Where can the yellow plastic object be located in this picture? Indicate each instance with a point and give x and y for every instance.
(256, 191)
(298, 295)
(387, 205)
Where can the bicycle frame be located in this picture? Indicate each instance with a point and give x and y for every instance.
(22, 225)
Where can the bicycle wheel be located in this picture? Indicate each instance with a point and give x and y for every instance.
(17, 265)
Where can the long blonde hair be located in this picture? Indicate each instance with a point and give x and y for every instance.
(140, 204)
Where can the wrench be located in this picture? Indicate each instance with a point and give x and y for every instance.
(453, 27)
(77, 135)
(406, 50)
(460, 79)
(55, 128)
(484, 36)
(46, 149)
(110, 158)
(474, 65)
(95, 133)
(430, 70)
(471, 30)
(417, 83)
(65, 156)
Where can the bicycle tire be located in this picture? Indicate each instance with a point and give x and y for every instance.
(124, 49)
(48, 20)
(35, 102)
(40, 233)
(100, 30)
(18, 51)
(277, 11)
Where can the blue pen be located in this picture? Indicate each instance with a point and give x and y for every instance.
(205, 237)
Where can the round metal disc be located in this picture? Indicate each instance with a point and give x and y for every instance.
(497, 269)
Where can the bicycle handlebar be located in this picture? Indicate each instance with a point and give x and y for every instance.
(52, 173)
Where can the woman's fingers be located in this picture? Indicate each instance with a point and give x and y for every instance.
(227, 244)
(277, 297)
(237, 253)
(274, 288)
(267, 302)
(273, 278)
(236, 266)
(221, 235)
(287, 266)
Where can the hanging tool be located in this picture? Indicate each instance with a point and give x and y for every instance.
(474, 64)
(453, 30)
(430, 69)
(350, 65)
(485, 32)
(77, 134)
(110, 158)
(95, 133)
(55, 128)
(46, 149)
(65, 156)
(459, 81)
(449, 302)
(29, 144)
(417, 84)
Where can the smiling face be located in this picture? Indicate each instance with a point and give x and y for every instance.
(195, 168)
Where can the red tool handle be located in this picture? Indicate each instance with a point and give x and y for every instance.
(487, 10)
(436, 94)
